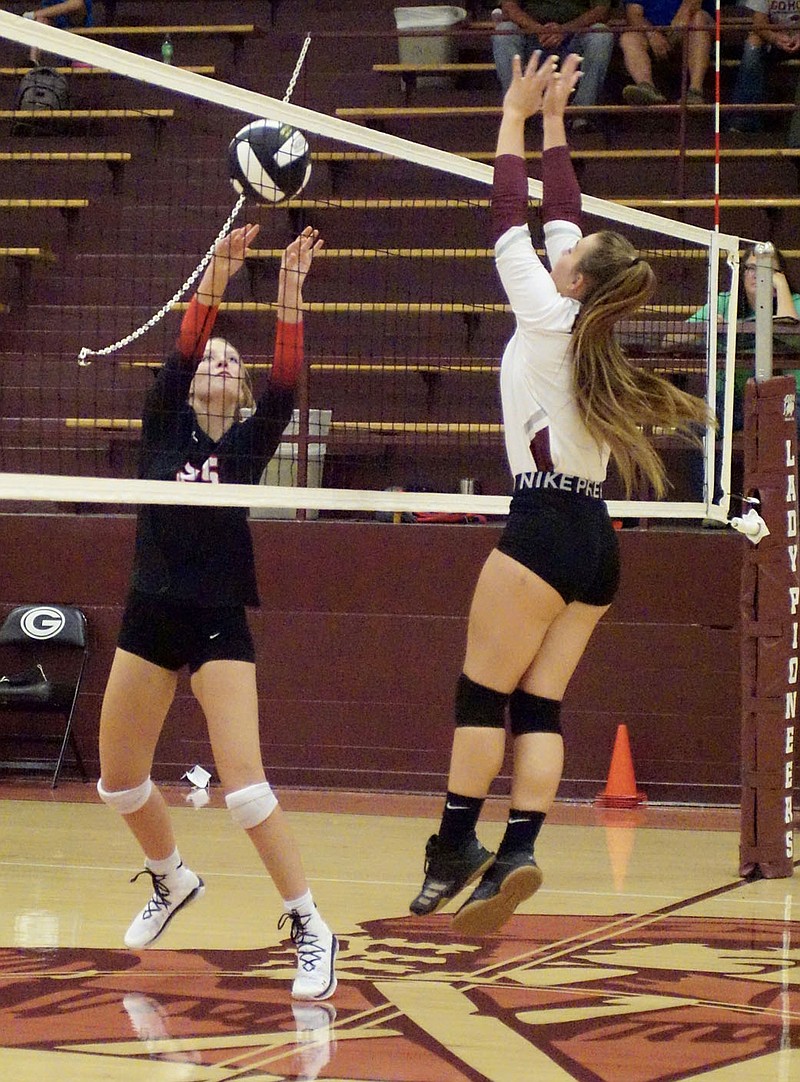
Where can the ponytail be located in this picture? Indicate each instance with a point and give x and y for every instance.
(618, 402)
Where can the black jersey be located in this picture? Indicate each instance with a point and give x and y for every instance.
(201, 554)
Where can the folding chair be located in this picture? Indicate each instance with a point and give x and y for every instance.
(50, 641)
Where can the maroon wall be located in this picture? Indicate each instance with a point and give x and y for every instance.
(360, 639)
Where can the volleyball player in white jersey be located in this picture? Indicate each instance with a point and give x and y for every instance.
(193, 575)
(570, 400)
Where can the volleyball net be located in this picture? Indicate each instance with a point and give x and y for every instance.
(109, 208)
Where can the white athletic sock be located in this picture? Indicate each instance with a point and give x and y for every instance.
(166, 866)
(304, 905)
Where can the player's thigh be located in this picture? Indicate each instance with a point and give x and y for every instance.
(511, 611)
(226, 691)
(137, 698)
(561, 650)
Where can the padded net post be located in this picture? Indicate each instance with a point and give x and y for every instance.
(770, 606)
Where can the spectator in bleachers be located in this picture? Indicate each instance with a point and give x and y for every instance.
(558, 27)
(774, 36)
(63, 14)
(785, 305)
(656, 28)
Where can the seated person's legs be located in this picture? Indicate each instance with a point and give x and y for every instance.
(698, 55)
(750, 88)
(636, 54)
(64, 15)
(595, 46)
(505, 46)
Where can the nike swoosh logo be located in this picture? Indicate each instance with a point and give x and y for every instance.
(216, 635)
(525, 820)
(457, 807)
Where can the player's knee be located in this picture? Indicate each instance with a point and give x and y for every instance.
(126, 801)
(252, 805)
(479, 706)
(534, 714)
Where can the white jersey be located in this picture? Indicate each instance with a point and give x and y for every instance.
(536, 379)
(784, 13)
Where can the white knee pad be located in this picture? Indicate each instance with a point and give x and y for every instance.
(252, 805)
(126, 801)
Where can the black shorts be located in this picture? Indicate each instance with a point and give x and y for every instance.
(566, 539)
(172, 634)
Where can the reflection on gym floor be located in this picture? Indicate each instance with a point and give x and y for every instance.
(643, 957)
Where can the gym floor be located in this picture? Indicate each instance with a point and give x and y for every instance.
(644, 957)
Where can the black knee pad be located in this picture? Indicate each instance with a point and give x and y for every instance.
(477, 705)
(533, 714)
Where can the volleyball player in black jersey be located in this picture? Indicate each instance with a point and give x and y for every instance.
(193, 576)
(571, 400)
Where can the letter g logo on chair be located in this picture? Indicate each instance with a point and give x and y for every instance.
(42, 622)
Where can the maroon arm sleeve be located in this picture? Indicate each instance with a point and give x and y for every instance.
(288, 358)
(562, 197)
(196, 326)
(509, 194)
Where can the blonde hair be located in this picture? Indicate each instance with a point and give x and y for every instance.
(247, 400)
(617, 401)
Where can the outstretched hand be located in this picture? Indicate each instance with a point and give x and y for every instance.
(295, 264)
(231, 250)
(524, 95)
(299, 255)
(560, 86)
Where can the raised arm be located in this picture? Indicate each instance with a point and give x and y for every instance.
(561, 199)
(198, 321)
(295, 265)
(523, 99)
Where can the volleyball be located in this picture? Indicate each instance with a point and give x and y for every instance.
(269, 161)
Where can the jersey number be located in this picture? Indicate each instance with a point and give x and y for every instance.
(208, 472)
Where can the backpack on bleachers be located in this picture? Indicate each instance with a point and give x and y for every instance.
(42, 89)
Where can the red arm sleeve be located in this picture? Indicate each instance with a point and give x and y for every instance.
(288, 359)
(561, 200)
(196, 326)
(509, 194)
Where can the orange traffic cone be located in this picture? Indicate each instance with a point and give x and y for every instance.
(620, 790)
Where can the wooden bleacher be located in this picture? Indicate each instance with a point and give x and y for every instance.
(28, 255)
(86, 114)
(236, 33)
(18, 73)
(578, 154)
(236, 30)
(365, 114)
(23, 260)
(32, 121)
(655, 203)
(55, 203)
(115, 160)
(410, 74)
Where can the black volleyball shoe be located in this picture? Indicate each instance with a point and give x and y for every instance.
(448, 871)
(510, 881)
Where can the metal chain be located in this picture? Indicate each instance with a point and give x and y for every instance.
(85, 353)
(298, 67)
(153, 320)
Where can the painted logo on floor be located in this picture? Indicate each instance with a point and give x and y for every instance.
(644, 998)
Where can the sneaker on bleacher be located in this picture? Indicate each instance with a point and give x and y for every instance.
(642, 94)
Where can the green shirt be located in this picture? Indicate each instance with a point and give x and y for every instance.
(742, 375)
